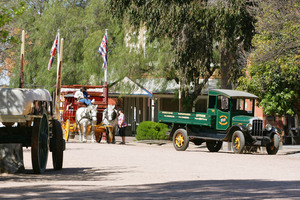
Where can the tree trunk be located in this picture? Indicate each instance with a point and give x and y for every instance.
(11, 158)
(225, 68)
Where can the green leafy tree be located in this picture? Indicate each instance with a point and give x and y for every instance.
(274, 72)
(82, 24)
(204, 35)
(9, 10)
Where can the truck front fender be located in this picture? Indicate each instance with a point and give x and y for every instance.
(174, 128)
(232, 129)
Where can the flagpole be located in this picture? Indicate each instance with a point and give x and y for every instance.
(58, 81)
(21, 82)
(105, 71)
(58, 50)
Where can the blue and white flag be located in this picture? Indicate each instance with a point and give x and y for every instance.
(103, 51)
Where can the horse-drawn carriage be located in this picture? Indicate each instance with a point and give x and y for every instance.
(70, 107)
(27, 116)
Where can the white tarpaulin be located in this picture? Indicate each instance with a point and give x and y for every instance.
(17, 101)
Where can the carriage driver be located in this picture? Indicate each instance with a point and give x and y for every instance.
(83, 96)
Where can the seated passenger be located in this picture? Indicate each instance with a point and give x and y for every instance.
(82, 96)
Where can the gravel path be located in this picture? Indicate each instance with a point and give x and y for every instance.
(143, 171)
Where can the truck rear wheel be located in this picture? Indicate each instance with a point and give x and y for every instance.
(273, 147)
(213, 145)
(238, 142)
(180, 140)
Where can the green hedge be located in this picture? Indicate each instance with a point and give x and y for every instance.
(149, 130)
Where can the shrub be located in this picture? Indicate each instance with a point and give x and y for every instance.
(149, 130)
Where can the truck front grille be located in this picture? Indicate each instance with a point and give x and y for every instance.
(257, 127)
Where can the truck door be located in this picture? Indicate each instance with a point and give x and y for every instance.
(223, 113)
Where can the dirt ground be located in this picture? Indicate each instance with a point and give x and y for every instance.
(146, 170)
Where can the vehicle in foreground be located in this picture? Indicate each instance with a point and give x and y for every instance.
(27, 116)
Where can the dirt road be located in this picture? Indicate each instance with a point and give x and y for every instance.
(143, 171)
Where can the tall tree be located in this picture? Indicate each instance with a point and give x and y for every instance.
(82, 24)
(9, 10)
(274, 72)
(205, 35)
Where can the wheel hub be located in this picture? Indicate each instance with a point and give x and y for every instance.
(237, 143)
(179, 140)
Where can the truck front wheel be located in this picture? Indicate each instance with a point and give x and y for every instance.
(238, 142)
(180, 140)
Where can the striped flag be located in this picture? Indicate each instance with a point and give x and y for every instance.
(103, 51)
(52, 52)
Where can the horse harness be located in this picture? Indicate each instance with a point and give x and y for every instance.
(85, 115)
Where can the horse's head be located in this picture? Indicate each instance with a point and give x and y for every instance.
(92, 110)
(109, 114)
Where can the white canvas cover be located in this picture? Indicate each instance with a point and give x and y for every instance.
(17, 101)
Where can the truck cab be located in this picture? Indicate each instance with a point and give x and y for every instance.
(229, 117)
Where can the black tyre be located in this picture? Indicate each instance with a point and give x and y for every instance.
(57, 144)
(180, 140)
(213, 145)
(238, 142)
(273, 147)
(40, 144)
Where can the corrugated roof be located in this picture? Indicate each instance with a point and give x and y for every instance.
(148, 87)
(233, 93)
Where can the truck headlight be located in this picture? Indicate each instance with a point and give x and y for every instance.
(249, 127)
(268, 127)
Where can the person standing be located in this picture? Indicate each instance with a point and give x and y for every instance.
(122, 125)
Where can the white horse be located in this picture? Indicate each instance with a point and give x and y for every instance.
(110, 120)
(86, 116)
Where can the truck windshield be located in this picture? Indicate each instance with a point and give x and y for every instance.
(242, 105)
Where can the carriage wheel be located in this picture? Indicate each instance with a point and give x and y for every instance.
(66, 130)
(58, 145)
(40, 144)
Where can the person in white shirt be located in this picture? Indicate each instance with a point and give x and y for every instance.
(79, 95)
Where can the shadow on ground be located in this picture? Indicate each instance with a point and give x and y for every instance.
(58, 185)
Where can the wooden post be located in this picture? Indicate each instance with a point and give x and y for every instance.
(179, 97)
(21, 82)
(58, 82)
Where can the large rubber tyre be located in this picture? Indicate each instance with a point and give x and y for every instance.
(57, 145)
(273, 147)
(40, 144)
(180, 140)
(66, 130)
(238, 142)
(213, 145)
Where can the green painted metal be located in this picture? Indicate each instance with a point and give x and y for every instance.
(223, 120)
(214, 118)
(197, 118)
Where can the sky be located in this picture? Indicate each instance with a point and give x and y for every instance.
(4, 79)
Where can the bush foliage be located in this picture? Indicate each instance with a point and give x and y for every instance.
(149, 130)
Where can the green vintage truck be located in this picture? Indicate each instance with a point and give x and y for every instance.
(229, 117)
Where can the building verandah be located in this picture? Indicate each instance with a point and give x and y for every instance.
(142, 99)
